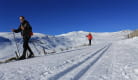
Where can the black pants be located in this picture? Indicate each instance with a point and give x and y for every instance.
(26, 47)
(90, 42)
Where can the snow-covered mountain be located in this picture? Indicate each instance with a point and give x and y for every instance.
(112, 56)
(56, 43)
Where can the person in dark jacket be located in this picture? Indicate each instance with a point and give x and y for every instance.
(26, 32)
(90, 37)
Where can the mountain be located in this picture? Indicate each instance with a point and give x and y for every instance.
(56, 43)
(112, 56)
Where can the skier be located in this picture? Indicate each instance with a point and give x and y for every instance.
(26, 32)
(90, 37)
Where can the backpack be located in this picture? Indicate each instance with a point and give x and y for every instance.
(31, 32)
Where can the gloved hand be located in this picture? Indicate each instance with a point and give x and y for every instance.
(13, 30)
(22, 27)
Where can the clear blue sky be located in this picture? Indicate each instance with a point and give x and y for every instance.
(61, 16)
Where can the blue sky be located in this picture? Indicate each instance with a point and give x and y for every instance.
(60, 16)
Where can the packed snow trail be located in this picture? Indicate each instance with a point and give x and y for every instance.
(80, 66)
(119, 63)
(42, 67)
(111, 57)
(111, 61)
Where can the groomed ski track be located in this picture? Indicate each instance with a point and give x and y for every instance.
(86, 63)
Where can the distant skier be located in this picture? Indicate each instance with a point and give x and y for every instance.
(90, 37)
(26, 32)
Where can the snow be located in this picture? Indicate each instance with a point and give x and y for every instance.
(112, 56)
(136, 71)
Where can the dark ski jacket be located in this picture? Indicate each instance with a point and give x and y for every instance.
(27, 32)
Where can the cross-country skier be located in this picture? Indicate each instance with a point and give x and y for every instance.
(26, 32)
(90, 37)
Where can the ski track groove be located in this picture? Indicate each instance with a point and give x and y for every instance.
(1, 75)
(83, 71)
(62, 73)
(73, 58)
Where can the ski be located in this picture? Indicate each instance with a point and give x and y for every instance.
(17, 56)
(12, 59)
(9, 60)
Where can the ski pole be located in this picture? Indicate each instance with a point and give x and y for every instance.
(35, 47)
(16, 43)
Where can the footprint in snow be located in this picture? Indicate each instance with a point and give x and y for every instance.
(1, 75)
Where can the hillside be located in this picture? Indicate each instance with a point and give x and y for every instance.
(56, 43)
(112, 56)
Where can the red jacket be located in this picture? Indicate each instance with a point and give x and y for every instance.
(89, 36)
